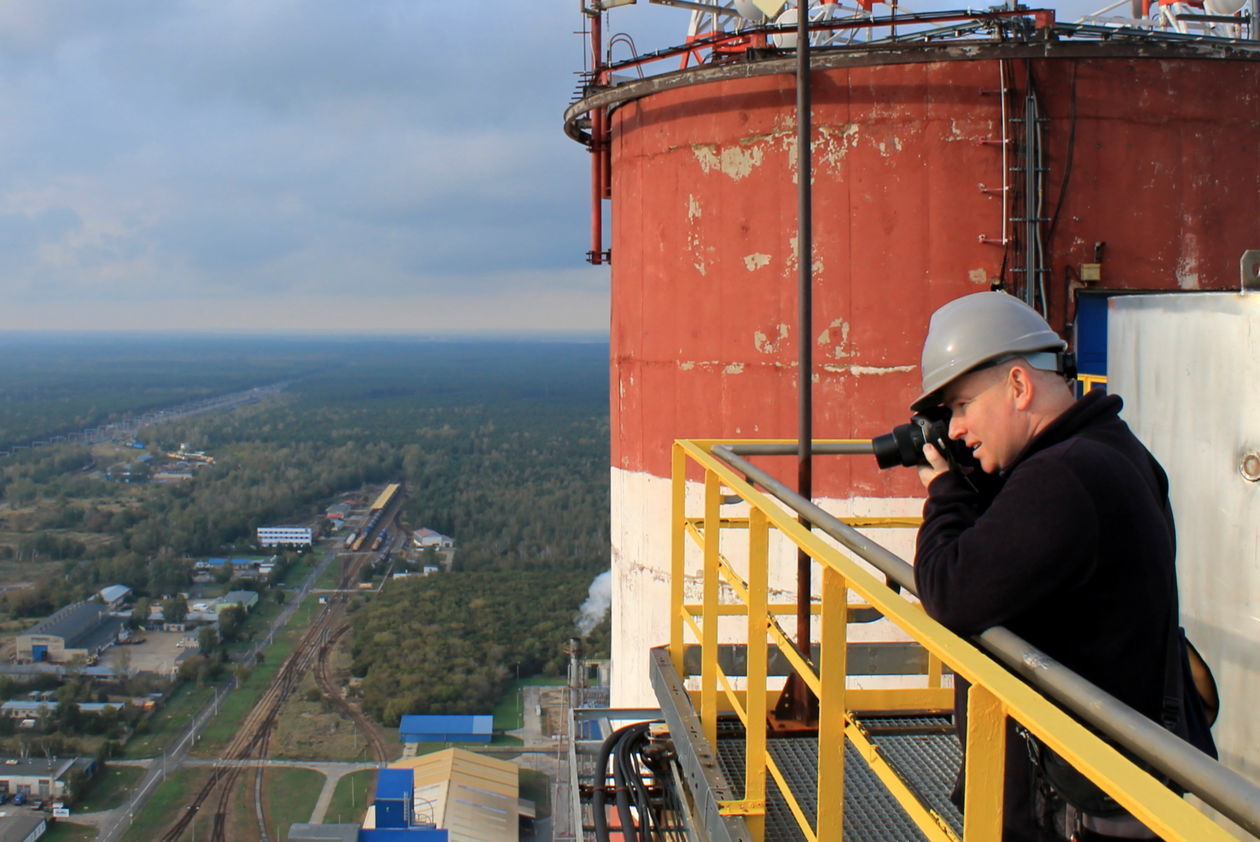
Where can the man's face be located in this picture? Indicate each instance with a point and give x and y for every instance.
(983, 417)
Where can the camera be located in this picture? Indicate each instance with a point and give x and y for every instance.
(903, 447)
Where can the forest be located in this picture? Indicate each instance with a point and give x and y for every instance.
(502, 445)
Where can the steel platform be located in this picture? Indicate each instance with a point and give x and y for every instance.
(923, 751)
(926, 761)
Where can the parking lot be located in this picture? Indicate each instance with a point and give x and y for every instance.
(156, 654)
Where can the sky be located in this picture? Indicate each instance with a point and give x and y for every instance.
(276, 165)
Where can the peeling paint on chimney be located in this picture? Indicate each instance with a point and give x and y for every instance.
(693, 208)
(840, 349)
(792, 261)
(756, 261)
(834, 142)
(697, 252)
(763, 344)
(1188, 263)
(863, 370)
(734, 162)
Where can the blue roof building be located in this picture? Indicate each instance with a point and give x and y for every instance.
(446, 729)
(395, 790)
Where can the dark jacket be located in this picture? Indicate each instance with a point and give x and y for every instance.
(1074, 553)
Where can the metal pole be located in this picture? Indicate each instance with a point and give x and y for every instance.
(800, 697)
(597, 146)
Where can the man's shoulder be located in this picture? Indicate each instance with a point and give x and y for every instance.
(1095, 460)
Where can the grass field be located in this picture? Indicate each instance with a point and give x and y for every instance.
(220, 730)
(316, 730)
(331, 575)
(536, 786)
(305, 612)
(257, 622)
(110, 789)
(350, 799)
(165, 722)
(508, 714)
(290, 795)
(293, 578)
(65, 831)
(170, 795)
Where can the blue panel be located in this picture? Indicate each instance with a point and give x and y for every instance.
(395, 783)
(1091, 333)
(390, 813)
(418, 728)
(411, 834)
(39, 653)
(443, 737)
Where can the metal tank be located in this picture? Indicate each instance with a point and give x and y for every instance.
(950, 154)
(1186, 366)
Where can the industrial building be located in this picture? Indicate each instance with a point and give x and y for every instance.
(42, 777)
(445, 728)
(22, 828)
(338, 511)
(82, 630)
(284, 536)
(473, 797)
(16, 709)
(114, 595)
(240, 599)
(426, 537)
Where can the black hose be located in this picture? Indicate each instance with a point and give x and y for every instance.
(630, 743)
(597, 797)
(621, 777)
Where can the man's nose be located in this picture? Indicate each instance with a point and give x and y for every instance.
(956, 427)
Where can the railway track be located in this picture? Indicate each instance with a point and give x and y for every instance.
(323, 679)
(253, 738)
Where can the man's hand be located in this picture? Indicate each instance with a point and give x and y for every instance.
(936, 465)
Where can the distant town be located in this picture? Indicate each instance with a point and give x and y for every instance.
(242, 615)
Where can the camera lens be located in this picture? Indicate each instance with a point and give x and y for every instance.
(903, 447)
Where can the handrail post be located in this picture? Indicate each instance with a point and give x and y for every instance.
(935, 670)
(678, 555)
(986, 760)
(709, 606)
(755, 698)
(833, 676)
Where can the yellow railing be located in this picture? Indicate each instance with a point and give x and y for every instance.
(1089, 381)
(996, 694)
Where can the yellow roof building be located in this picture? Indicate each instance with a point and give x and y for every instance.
(475, 798)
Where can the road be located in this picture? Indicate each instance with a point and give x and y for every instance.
(176, 756)
(127, 428)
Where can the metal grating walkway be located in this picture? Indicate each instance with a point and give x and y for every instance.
(926, 760)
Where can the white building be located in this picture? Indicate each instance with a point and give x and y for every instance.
(430, 538)
(286, 536)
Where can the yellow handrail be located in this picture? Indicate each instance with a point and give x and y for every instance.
(996, 694)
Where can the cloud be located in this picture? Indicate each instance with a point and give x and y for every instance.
(166, 156)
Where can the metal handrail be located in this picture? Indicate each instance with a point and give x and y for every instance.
(1219, 786)
(728, 471)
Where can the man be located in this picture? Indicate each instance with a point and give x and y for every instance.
(1071, 545)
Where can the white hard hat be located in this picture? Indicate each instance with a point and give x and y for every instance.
(976, 329)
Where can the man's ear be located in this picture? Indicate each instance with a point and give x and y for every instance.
(1021, 385)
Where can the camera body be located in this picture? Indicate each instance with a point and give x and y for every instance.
(903, 447)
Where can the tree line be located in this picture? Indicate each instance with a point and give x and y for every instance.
(503, 446)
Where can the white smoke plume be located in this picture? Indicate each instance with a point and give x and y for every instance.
(596, 604)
